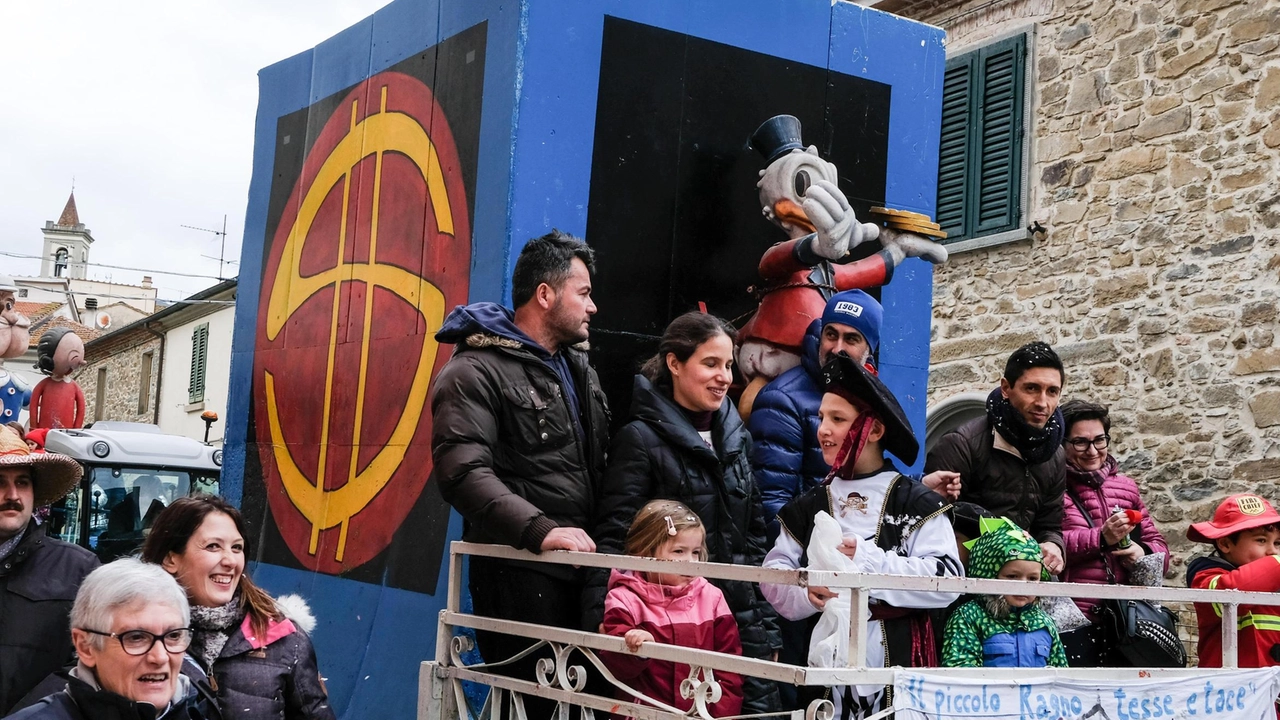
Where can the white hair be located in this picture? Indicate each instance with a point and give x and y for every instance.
(125, 582)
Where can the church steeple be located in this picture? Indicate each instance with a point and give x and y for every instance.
(66, 244)
(70, 218)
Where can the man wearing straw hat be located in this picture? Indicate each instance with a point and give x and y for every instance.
(39, 576)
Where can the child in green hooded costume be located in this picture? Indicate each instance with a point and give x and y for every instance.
(1003, 630)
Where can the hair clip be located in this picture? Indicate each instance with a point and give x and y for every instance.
(671, 525)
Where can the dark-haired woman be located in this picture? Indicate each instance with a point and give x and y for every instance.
(255, 649)
(1103, 545)
(686, 442)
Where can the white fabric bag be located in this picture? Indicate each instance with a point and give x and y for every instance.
(829, 646)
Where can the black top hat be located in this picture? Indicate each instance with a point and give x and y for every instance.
(776, 137)
(847, 378)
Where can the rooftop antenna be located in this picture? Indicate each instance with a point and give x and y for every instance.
(222, 234)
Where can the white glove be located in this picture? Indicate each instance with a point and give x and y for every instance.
(837, 228)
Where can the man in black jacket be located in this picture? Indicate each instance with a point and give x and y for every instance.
(1011, 462)
(39, 575)
(519, 433)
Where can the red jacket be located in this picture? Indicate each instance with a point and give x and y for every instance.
(1259, 625)
(693, 616)
(1101, 492)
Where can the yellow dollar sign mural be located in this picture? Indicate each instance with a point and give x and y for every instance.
(377, 134)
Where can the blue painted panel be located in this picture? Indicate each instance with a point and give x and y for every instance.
(910, 57)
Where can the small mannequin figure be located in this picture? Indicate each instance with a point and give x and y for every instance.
(14, 339)
(58, 401)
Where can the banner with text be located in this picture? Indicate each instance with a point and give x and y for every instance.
(1239, 695)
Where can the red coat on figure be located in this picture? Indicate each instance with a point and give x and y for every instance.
(57, 401)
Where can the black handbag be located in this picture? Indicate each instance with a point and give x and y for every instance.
(1146, 633)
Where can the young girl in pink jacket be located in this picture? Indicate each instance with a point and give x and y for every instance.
(670, 609)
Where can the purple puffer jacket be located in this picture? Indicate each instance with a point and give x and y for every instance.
(1101, 492)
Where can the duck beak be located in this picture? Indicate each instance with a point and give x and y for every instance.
(785, 211)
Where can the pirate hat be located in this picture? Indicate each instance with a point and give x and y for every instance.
(863, 388)
(54, 474)
(776, 137)
(1236, 513)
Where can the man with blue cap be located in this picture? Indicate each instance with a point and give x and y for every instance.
(786, 458)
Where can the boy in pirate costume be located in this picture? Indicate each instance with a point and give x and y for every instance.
(891, 525)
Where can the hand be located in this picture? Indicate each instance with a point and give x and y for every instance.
(1129, 556)
(636, 637)
(848, 546)
(837, 227)
(568, 538)
(1115, 528)
(902, 245)
(943, 482)
(818, 596)
(1052, 557)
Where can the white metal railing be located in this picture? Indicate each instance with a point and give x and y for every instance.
(441, 695)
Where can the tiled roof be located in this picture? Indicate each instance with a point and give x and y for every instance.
(35, 311)
(70, 218)
(86, 333)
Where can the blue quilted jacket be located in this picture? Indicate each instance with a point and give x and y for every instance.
(786, 459)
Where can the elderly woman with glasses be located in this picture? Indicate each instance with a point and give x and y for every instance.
(130, 626)
(1106, 526)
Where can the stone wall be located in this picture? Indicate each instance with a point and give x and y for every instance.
(1156, 171)
(122, 358)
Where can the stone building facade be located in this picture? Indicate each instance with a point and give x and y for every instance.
(120, 376)
(1154, 172)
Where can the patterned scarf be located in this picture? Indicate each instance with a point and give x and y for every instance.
(1093, 478)
(212, 628)
(8, 546)
(1035, 444)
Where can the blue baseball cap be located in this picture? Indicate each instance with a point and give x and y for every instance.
(859, 311)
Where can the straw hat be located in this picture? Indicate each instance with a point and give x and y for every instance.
(54, 474)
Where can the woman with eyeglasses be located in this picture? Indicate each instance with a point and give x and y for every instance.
(1102, 546)
(130, 626)
(255, 649)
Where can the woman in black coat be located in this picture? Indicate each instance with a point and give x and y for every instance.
(255, 649)
(686, 442)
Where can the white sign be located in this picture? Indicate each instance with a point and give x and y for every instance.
(1237, 695)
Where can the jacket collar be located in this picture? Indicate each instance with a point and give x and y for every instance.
(98, 704)
(652, 406)
(999, 443)
(244, 640)
(33, 537)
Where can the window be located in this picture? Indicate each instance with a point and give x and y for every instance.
(981, 159)
(199, 359)
(59, 262)
(100, 395)
(22, 292)
(144, 383)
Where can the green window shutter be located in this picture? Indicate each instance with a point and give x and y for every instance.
(199, 361)
(954, 150)
(980, 154)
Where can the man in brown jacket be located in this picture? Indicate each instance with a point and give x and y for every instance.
(1011, 462)
(519, 434)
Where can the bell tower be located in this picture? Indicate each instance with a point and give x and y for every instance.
(66, 244)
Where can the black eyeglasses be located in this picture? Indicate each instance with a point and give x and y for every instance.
(140, 642)
(1082, 444)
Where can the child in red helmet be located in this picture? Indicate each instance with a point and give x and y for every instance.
(1245, 534)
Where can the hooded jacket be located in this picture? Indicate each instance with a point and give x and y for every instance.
(659, 454)
(273, 677)
(84, 699)
(987, 631)
(38, 584)
(507, 452)
(1101, 493)
(1259, 625)
(786, 457)
(996, 478)
(691, 616)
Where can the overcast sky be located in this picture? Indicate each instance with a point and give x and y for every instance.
(149, 105)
